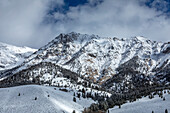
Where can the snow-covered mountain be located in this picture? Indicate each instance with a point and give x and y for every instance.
(107, 69)
(100, 59)
(11, 56)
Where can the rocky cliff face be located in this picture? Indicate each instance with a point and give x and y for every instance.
(101, 59)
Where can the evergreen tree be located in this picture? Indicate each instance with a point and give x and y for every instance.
(35, 98)
(119, 106)
(78, 95)
(19, 94)
(83, 90)
(89, 84)
(74, 99)
(165, 92)
(166, 111)
(83, 95)
(74, 111)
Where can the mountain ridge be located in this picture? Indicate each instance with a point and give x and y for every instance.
(11, 56)
(98, 59)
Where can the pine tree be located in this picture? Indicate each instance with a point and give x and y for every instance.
(83, 95)
(83, 90)
(152, 111)
(166, 111)
(165, 92)
(164, 99)
(74, 99)
(19, 94)
(119, 106)
(89, 84)
(78, 95)
(35, 98)
(74, 111)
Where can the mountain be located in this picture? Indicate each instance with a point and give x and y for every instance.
(109, 70)
(11, 56)
(100, 59)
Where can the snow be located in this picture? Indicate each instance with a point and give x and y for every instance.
(2, 78)
(11, 56)
(145, 105)
(109, 53)
(96, 58)
(62, 82)
(106, 54)
(62, 102)
(57, 102)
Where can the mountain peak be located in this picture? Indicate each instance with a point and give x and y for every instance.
(140, 39)
(95, 59)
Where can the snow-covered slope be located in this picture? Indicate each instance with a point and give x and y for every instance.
(11, 56)
(145, 105)
(57, 101)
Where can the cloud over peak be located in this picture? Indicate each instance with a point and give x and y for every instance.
(23, 22)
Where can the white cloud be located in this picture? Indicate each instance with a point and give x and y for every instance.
(22, 22)
(117, 18)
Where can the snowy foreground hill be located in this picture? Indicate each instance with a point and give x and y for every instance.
(21, 99)
(145, 105)
(104, 72)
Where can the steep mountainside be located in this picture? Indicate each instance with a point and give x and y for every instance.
(11, 56)
(101, 60)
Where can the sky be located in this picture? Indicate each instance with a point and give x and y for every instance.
(34, 23)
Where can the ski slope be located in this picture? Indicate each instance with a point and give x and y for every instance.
(57, 102)
(145, 105)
